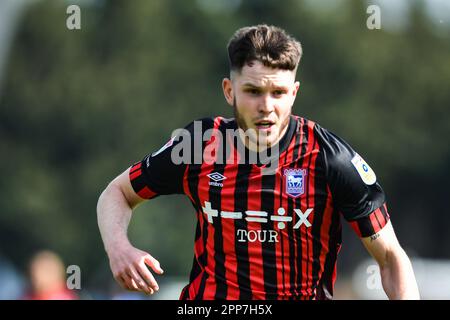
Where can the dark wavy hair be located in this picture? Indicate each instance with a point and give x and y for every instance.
(270, 45)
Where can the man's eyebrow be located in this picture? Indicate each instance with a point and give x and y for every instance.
(248, 84)
(281, 87)
(276, 87)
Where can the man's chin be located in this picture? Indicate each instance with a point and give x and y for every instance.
(267, 138)
(265, 143)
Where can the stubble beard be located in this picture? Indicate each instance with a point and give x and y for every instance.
(258, 139)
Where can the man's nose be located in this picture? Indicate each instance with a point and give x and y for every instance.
(266, 105)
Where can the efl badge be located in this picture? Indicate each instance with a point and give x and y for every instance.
(365, 172)
(294, 181)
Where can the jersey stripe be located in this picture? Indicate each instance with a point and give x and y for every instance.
(228, 232)
(279, 249)
(138, 184)
(255, 248)
(297, 232)
(311, 154)
(372, 223)
(302, 250)
(285, 235)
(241, 248)
(325, 289)
(135, 174)
(197, 272)
(291, 155)
(135, 167)
(320, 223)
(268, 248)
(325, 235)
(215, 287)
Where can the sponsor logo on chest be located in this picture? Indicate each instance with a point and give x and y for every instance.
(280, 219)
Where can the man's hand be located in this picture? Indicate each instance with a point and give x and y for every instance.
(129, 267)
(128, 264)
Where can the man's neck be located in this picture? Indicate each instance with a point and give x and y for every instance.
(255, 146)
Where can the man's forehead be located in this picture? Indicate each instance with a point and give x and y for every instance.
(259, 75)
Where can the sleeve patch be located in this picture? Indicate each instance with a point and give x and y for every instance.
(364, 170)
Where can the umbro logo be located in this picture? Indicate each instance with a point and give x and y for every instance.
(216, 177)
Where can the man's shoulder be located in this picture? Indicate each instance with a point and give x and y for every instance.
(325, 138)
(204, 129)
(303, 123)
(327, 141)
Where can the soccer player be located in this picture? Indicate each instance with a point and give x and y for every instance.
(269, 189)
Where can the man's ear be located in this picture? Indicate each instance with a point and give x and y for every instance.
(227, 87)
(296, 88)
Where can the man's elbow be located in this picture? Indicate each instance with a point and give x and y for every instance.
(105, 195)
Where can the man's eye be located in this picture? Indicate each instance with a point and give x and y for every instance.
(252, 91)
(278, 92)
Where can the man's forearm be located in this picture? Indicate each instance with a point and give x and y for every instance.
(113, 216)
(398, 278)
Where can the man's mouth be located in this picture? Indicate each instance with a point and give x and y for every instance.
(264, 124)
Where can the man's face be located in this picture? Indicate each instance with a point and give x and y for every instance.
(262, 98)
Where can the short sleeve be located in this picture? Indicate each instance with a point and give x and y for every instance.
(355, 190)
(162, 172)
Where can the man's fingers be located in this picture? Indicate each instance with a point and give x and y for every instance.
(139, 281)
(136, 276)
(127, 283)
(121, 282)
(134, 286)
(147, 276)
(153, 263)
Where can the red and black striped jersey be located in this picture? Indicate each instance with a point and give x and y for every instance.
(262, 234)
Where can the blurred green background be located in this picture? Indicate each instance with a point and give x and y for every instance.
(77, 107)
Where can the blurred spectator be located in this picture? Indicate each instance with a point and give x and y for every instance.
(48, 278)
(12, 283)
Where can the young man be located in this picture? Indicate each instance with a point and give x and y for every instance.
(268, 197)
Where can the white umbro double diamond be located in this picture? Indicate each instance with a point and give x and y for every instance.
(216, 176)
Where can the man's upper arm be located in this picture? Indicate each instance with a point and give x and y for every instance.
(122, 181)
(380, 244)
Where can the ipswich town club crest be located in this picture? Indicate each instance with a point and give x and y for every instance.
(294, 182)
